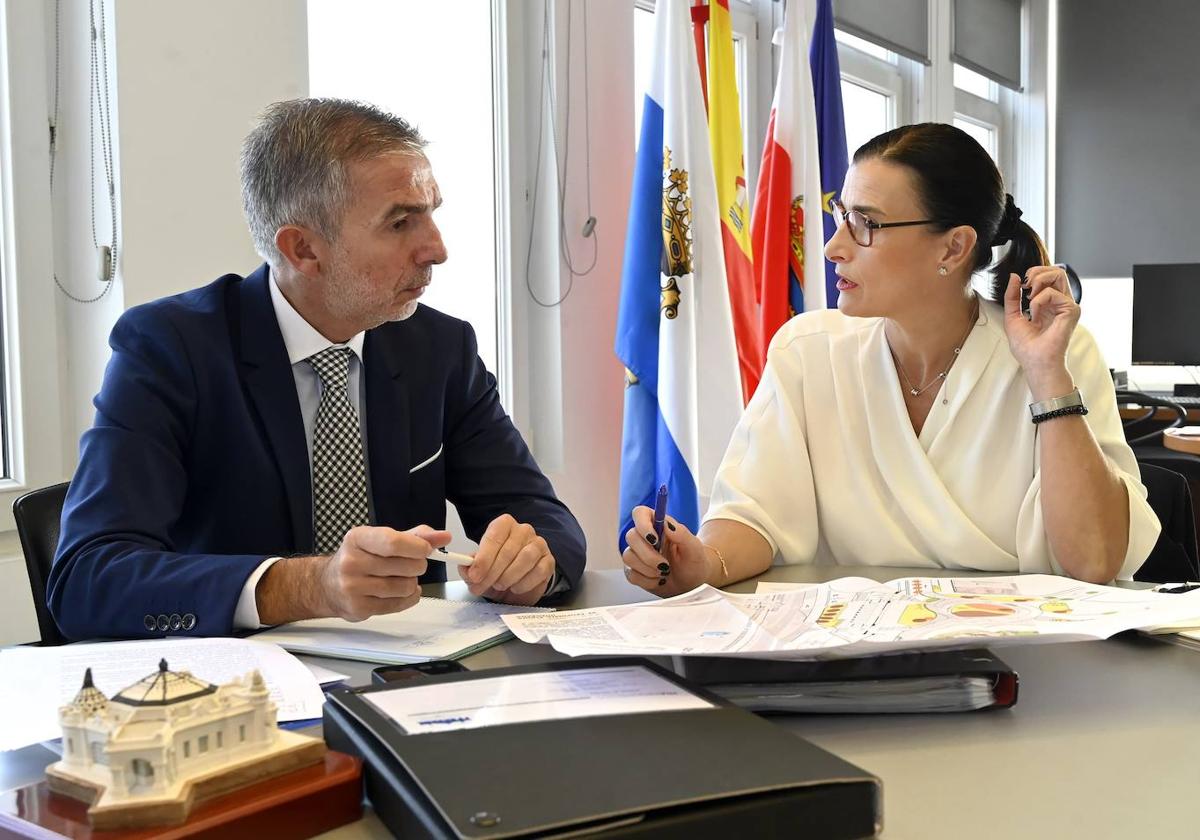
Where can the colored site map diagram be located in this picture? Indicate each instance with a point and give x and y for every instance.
(857, 617)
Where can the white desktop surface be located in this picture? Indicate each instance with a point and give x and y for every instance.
(1104, 741)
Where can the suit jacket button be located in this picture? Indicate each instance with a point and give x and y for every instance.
(176, 621)
(189, 621)
(164, 623)
(149, 623)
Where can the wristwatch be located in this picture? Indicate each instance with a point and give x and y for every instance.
(1072, 403)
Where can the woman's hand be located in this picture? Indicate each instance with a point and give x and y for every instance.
(1040, 343)
(680, 566)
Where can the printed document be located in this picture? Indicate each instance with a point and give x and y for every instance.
(520, 698)
(35, 681)
(432, 629)
(858, 617)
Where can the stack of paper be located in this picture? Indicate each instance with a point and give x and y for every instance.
(859, 617)
(35, 681)
(919, 694)
(433, 629)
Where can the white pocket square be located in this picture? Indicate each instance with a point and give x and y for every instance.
(428, 460)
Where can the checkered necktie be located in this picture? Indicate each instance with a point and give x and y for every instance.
(339, 472)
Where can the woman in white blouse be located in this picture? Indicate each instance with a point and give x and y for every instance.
(918, 424)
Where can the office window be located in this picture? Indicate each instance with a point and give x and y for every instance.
(31, 445)
(976, 83)
(985, 111)
(875, 89)
(5, 287)
(985, 134)
(430, 63)
(865, 46)
(744, 61)
(868, 113)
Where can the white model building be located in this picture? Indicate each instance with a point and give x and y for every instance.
(167, 726)
(153, 740)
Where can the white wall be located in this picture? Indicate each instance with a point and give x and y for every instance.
(575, 399)
(82, 327)
(193, 76)
(186, 80)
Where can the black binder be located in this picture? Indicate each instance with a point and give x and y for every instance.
(902, 682)
(709, 772)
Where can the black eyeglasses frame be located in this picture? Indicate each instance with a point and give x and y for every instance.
(842, 216)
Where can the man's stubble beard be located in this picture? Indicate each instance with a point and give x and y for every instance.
(350, 297)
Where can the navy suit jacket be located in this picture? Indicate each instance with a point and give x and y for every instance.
(197, 468)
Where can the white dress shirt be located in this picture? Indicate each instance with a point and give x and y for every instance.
(825, 463)
(302, 340)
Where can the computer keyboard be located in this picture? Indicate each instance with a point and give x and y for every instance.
(1167, 395)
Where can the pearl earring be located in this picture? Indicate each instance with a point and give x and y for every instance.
(942, 270)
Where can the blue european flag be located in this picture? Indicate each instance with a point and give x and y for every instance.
(831, 126)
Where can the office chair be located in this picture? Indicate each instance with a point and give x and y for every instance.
(37, 516)
(1174, 557)
(1147, 428)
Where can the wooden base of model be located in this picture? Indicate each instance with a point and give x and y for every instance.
(289, 752)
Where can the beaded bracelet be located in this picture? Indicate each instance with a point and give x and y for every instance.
(721, 558)
(1059, 412)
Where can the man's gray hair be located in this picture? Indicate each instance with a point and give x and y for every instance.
(294, 164)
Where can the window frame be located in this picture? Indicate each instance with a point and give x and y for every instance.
(748, 20)
(926, 92)
(893, 80)
(997, 116)
(32, 389)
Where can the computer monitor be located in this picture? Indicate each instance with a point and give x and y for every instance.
(1166, 314)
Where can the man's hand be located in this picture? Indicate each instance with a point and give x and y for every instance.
(513, 564)
(374, 571)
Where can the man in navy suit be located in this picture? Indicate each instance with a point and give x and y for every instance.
(281, 446)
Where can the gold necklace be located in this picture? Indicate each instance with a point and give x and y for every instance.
(916, 392)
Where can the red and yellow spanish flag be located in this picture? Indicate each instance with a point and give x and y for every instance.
(725, 137)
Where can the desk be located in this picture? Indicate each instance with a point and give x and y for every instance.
(1101, 744)
(1181, 443)
(1166, 415)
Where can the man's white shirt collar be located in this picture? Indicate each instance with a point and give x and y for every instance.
(300, 337)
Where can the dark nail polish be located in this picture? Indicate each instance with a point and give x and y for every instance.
(662, 581)
(664, 568)
(669, 525)
(650, 538)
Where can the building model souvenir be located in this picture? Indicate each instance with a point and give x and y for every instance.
(152, 751)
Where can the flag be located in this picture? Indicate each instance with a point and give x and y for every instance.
(831, 124)
(674, 330)
(729, 167)
(786, 232)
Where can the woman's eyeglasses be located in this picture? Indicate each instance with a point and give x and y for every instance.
(862, 227)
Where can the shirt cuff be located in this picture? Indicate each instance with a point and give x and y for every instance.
(558, 584)
(245, 616)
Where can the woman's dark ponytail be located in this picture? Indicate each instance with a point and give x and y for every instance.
(1024, 252)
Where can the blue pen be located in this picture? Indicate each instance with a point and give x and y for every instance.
(660, 515)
